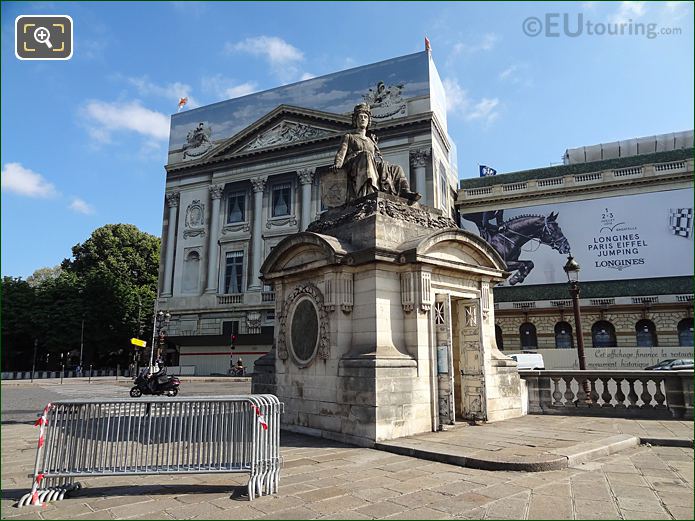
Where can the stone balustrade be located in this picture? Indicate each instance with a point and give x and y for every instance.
(627, 394)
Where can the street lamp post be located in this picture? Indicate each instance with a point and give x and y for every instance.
(161, 319)
(572, 269)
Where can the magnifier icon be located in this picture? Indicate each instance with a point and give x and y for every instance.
(43, 35)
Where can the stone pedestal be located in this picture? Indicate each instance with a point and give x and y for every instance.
(355, 353)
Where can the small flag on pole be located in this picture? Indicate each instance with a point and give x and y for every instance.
(428, 47)
(486, 171)
(182, 102)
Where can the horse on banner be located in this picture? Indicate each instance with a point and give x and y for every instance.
(510, 236)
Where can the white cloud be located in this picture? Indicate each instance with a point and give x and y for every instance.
(456, 97)
(486, 43)
(628, 11)
(508, 73)
(516, 74)
(22, 181)
(104, 118)
(172, 91)
(307, 76)
(484, 110)
(281, 55)
(226, 88)
(674, 11)
(458, 102)
(80, 206)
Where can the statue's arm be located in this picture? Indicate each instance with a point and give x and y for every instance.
(342, 151)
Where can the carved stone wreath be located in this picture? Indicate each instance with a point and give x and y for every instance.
(310, 290)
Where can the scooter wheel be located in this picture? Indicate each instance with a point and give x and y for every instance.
(174, 391)
(135, 392)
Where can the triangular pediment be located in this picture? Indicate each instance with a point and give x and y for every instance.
(283, 127)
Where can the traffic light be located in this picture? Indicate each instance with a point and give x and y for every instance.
(233, 342)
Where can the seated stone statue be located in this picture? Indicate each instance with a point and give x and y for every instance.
(367, 171)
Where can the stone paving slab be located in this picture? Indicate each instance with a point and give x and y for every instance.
(539, 443)
(330, 480)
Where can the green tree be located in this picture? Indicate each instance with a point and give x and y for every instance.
(18, 323)
(118, 267)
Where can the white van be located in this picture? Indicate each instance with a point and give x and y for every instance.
(528, 361)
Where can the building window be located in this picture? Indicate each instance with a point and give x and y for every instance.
(282, 199)
(563, 335)
(499, 339)
(527, 332)
(443, 189)
(645, 332)
(685, 332)
(603, 334)
(233, 272)
(236, 207)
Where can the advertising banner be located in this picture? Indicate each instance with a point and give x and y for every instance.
(612, 238)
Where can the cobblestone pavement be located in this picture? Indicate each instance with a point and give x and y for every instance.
(322, 479)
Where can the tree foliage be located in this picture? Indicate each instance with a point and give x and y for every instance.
(108, 286)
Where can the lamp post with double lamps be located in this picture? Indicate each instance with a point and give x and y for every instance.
(572, 269)
(161, 319)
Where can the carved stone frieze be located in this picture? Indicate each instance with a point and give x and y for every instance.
(285, 133)
(310, 290)
(369, 206)
(291, 221)
(236, 228)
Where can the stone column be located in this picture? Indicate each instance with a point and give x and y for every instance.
(213, 250)
(418, 162)
(258, 185)
(306, 177)
(172, 199)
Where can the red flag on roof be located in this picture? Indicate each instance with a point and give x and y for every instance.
(182, 102)
(428, 47)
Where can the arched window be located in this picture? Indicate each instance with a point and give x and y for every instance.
(685, 332)
(603, 334)
(527, 332)
(499, 339)
(563, 335)
(645, 332)
(191, 272)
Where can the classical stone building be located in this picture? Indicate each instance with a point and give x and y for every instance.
(244, 173)
(625, 212)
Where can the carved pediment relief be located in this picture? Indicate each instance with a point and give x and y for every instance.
(284, 133)
(283, 126)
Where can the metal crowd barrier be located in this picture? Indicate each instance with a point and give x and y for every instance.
(127, 437)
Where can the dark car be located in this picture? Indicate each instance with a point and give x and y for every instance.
(672, 364)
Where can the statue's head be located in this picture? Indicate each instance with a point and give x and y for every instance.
(362, 108)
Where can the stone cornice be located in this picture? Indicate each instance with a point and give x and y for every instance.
(385, 130)
(632, 179)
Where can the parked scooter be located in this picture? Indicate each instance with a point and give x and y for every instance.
(157, 384)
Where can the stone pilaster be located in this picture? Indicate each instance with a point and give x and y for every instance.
(258, 185)
(418, 162)
(306, 178)
(213, 250)
(172, 199)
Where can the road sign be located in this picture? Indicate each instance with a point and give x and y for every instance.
(138, 342)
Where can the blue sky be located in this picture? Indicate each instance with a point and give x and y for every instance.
(84, 141)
